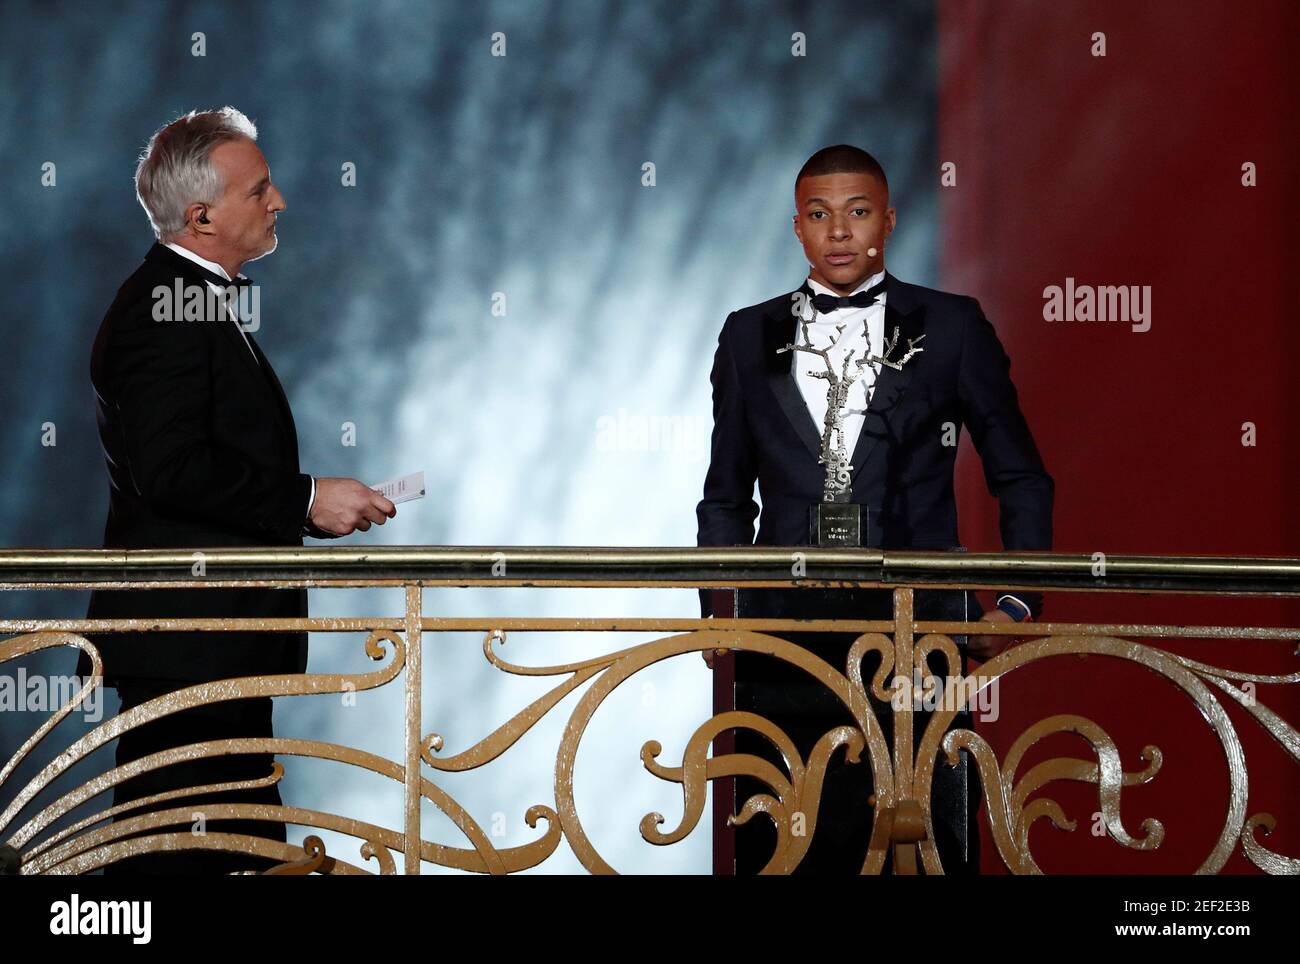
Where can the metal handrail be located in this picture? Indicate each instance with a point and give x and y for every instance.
(597, 566)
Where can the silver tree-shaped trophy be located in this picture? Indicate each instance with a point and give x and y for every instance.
(837, 520)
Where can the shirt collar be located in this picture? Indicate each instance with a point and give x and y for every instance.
(202, 262)
(821, 289)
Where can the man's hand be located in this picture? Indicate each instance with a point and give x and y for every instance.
(986, 646)
(343, 506)
(709, 654)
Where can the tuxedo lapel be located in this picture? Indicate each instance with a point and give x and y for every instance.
(261, 369)
(282, 400)
(230, 330)
(905, 322)
(779, 331)
(257, 364)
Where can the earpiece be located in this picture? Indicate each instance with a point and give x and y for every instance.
(203, 219)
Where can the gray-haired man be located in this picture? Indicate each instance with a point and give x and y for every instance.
(202, 451)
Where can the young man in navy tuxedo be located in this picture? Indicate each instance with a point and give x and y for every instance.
(770, 412)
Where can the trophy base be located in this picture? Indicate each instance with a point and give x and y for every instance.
(837, 524)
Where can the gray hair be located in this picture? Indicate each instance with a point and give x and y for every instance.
(176, 169)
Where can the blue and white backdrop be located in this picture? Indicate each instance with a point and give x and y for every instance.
(613, 179)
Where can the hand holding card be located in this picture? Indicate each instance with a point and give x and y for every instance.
(405, 489)
(344, 506)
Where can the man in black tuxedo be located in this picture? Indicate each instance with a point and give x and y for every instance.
(202, 451)
(900, 424)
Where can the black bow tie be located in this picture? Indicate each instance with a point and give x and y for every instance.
(217, 279)
(828, 303)
(221, 282)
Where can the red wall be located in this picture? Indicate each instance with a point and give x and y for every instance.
(1126, 169)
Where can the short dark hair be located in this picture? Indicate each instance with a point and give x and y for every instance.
(841, 159)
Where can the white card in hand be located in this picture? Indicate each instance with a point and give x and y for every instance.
(405, 489)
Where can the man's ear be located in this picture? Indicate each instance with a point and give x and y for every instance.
(197, 220)
(797, 233)
(890, 222)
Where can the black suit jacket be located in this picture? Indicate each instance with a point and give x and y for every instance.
(902, 471)
(202, 451)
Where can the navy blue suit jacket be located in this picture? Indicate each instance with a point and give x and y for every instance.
(902, 471)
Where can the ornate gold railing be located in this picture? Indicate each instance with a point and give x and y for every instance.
(902, 777)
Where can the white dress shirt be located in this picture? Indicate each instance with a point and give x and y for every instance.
(220, 271)
(822, 333)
